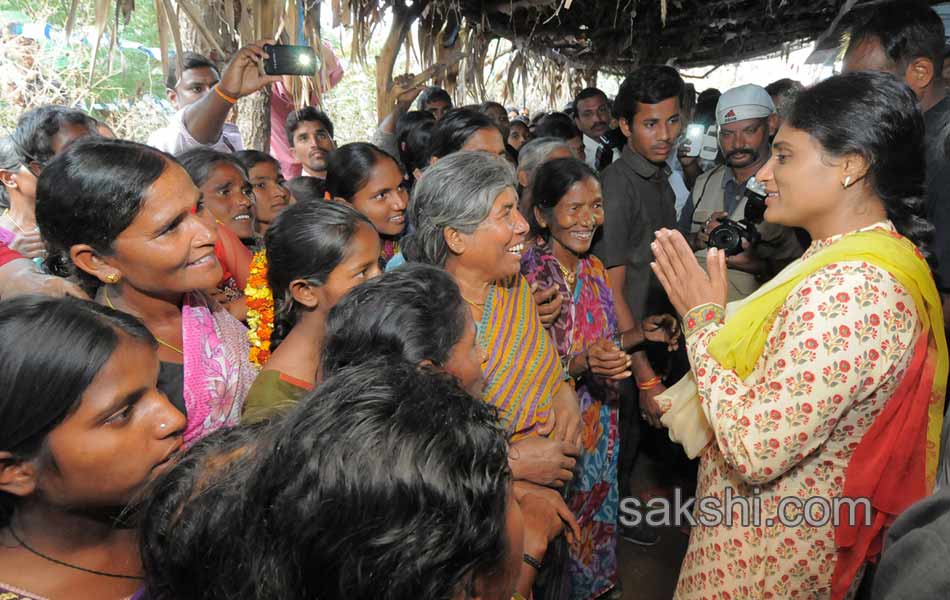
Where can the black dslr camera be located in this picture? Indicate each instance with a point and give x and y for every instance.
(729, 235)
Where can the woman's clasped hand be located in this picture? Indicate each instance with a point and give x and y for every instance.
(687, 284)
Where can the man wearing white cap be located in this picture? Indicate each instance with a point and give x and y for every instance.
(747, 120)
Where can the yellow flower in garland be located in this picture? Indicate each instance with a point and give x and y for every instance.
(260, 310)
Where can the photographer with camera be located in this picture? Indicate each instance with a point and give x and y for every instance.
(723, 211)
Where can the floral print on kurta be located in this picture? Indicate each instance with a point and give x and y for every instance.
(835, 355)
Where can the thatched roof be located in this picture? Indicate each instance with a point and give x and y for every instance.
(555, 45)
(563, 44)
(616, 35)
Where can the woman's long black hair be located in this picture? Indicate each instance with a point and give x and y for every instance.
(306, 241)
(387, 482)
(414, 313)
(54, 348)
(877, 117)
(200, 161)
(350, 166)
(90, 194)
(451, 133)
(393, 482)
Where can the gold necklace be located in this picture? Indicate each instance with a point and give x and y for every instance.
(105, 292)
(569, 277)
(9, 215)
(478, 305)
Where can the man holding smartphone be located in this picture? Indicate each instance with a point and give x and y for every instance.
(592, 117)
(204, 100)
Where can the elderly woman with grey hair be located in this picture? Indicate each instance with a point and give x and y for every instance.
(465, 219)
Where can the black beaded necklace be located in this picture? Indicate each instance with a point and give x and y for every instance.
(66, 564)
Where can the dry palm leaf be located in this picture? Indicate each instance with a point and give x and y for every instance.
(102, 20)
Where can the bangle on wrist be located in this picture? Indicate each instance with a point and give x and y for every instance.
(226, 97)
(649, 384)
(532, 562)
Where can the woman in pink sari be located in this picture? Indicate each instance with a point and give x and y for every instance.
(127, 220)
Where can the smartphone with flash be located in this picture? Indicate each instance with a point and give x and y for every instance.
(284, 59)
(693, 142)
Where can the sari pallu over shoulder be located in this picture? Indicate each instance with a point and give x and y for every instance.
(523, 372)
(218, 373)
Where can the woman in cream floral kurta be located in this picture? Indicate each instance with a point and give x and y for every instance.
(835, 355)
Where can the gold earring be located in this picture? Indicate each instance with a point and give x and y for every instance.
(846, 182)
(112, 278)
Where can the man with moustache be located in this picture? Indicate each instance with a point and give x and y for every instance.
(747, 121)
(592, 117)
(310, 135)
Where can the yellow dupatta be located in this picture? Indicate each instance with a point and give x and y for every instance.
(741, 340)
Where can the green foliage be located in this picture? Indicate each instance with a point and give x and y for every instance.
(352, 103)
(50, 72)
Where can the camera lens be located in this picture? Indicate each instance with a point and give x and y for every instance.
(727, 238)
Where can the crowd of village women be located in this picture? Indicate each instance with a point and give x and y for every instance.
(434, 431)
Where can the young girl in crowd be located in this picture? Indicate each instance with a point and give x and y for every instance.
(414, 313)
(83, 428)
(316, 252)
(126, 219)
(567, 211)
(271, 195)
(519, 135)
(372, 182)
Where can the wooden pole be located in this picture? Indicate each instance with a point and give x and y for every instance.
(386, 60)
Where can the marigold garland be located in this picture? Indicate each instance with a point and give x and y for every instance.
(260, 310)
